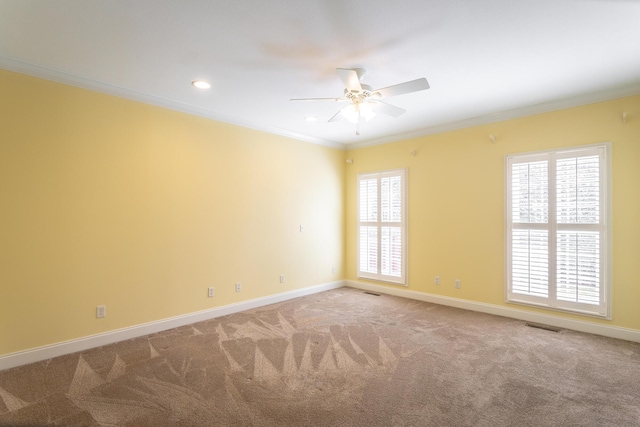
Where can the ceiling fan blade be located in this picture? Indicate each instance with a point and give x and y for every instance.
(318, 99)
(388, 109)
(337, 116)
(349, 78)
(402, 88)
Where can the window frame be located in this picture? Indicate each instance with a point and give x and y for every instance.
(403, 225)
(603, 227)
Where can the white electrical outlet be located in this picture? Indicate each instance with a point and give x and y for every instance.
(436, 280)
(238, 286)
(211, 292)
(301, 228)
(101, 311)
(457, 283)
(333, 270)
(282, 278)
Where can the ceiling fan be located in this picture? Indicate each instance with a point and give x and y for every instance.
(364, 102)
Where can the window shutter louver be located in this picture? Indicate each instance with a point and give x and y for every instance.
(369, 249)
(530, 262)
(578, 185)
(530, 192)
(578, 267)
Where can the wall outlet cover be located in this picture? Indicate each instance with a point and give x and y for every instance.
(101, 311)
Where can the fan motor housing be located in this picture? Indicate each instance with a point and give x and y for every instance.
(359, 96)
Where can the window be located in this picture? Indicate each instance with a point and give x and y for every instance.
(557, 210)
(382, 227)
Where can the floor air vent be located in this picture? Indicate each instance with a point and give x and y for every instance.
(371, 293)
(545, 327)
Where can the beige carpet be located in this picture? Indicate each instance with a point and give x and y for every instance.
(339, 358)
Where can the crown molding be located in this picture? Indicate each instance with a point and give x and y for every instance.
(46, 73)
(22, 67)
(546, 107)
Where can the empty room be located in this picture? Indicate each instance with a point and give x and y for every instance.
(319, 213)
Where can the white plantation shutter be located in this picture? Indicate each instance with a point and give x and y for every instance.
(530, 184)
(557, 236)
(578, 274)
(382, 226)
(578, 251)
(530, 262)
(530, 247)
(369, 249)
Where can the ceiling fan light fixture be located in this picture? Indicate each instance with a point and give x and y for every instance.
(350, 112)
(366, 111)
(354, 111)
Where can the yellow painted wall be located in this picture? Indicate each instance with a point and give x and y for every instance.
(110, 201)
(456, 201)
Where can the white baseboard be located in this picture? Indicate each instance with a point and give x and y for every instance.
(38, 354)
(547, 319)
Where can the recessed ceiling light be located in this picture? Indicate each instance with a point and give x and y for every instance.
(201, 84)
(311, 118)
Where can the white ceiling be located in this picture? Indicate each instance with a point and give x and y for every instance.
(485, 60)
